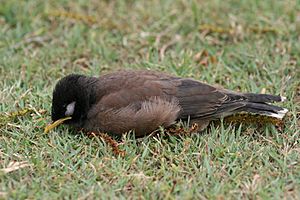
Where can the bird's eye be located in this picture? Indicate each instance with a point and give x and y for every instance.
(70, 109)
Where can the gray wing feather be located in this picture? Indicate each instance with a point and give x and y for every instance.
(200, 100)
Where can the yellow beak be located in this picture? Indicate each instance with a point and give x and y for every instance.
(55, 124)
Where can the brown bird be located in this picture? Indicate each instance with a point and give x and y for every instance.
(144, 100)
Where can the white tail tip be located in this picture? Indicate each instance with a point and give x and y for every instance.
(283, 98)
(280, 114)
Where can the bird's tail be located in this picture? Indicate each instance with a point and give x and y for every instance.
(256, 104)
(260, 104)
(265, 109)
(264, 98)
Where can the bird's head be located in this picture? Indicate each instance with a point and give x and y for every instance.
(71, 99)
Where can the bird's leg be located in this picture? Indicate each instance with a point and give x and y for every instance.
(180, 130)
(114, 144)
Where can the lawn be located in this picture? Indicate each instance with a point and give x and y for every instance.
(243, 45)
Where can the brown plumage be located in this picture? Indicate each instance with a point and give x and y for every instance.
(144, 100)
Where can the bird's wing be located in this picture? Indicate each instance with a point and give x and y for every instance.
(123, 88)
(200, 100)
(196, 99)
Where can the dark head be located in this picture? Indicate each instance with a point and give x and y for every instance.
(72, 97)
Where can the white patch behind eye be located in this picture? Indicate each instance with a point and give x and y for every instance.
(70, 109)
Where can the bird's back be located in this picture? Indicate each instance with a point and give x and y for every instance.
(144, 100)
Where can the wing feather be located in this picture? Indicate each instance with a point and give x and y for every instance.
(195, 98)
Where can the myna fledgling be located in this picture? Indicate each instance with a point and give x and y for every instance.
(144, 100)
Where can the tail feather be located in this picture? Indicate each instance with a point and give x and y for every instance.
(264, 98)
(253, 103)
(265, 109)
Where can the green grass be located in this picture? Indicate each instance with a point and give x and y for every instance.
(253, 46)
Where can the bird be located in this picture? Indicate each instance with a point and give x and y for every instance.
(144, 100)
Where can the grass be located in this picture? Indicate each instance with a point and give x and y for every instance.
(244, 45)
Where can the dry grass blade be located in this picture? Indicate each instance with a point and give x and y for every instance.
(72, 15)
(8, 117)
(3, 194)
(13, 166)
(260, 120)
(182, 131)
(211, 28)
(55, 124)
(19, 113)
(114, 144)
